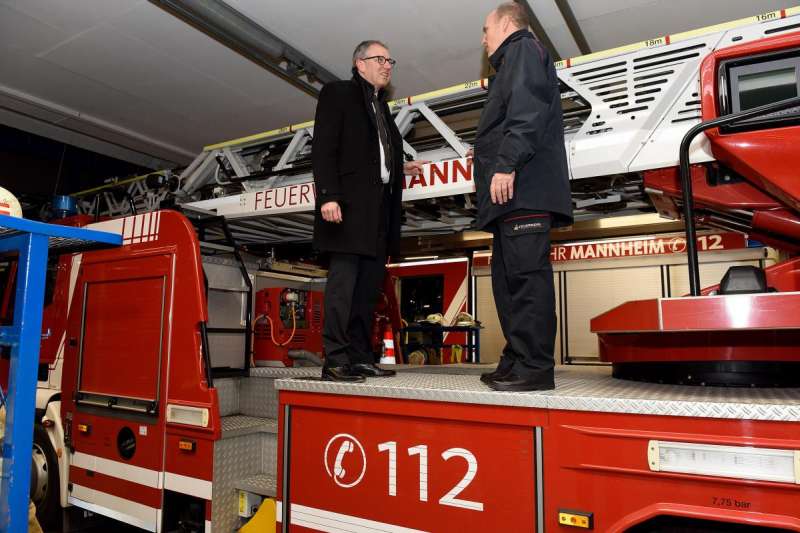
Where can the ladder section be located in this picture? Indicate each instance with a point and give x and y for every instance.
(263, 184)
(624, 112)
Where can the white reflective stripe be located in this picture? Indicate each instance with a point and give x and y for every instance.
(208, 526)
(134, 229)
(111, 226)
(135, 474)
(127, 511)
(73, 279)
(137, 223)
(321, 520)
(199, 488)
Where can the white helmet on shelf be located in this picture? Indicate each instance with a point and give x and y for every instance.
(9, 205)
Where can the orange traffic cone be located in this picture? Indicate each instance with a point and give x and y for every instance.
(388, 346)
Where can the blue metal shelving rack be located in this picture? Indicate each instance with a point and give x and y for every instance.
(32, 241)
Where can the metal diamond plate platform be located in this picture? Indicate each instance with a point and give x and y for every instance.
(259, 398)
(277, 372)
(238, 425)
(577, 389)
(314, 371)
(234, 459)
(263, 484)
(228, 394)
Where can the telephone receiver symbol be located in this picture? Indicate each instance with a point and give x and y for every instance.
(338, 469)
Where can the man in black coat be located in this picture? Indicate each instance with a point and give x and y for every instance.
(523, 191)
(358, 165)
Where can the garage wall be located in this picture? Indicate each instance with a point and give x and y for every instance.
(491, 337)
(592, 292)
(492, 341)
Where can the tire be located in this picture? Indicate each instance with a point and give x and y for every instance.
(45, 485)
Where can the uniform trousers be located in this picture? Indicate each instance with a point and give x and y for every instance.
(522, 284)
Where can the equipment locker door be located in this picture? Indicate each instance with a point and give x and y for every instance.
(120, 343)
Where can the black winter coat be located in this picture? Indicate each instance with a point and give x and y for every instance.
(521, 130)
(346, 163)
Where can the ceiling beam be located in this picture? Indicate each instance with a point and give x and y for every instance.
(574, 27)
(538, 29)
(243, 35)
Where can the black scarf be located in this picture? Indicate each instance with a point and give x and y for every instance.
(376, 102)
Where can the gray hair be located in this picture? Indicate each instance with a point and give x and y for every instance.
(361, 50)
(516, 12)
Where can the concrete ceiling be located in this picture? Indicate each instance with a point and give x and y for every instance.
(128, 79)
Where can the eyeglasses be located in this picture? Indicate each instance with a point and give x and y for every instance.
(381, 60)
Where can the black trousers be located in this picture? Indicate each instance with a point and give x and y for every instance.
(522, 284)
(351, 293)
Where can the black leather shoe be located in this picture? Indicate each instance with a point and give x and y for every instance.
(504, 367)
(496, 374)
(514, 383)
(369, 370)
(341, 373)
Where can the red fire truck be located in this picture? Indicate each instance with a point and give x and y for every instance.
(150, 413)
(439, 452)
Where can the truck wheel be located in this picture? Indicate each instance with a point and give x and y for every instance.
(44, 479)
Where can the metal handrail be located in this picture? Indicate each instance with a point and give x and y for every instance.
(686, 182)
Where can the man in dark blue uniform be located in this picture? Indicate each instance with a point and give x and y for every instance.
(523, 191)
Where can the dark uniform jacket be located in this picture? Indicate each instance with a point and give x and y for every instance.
(346, 163)
(521, 130)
